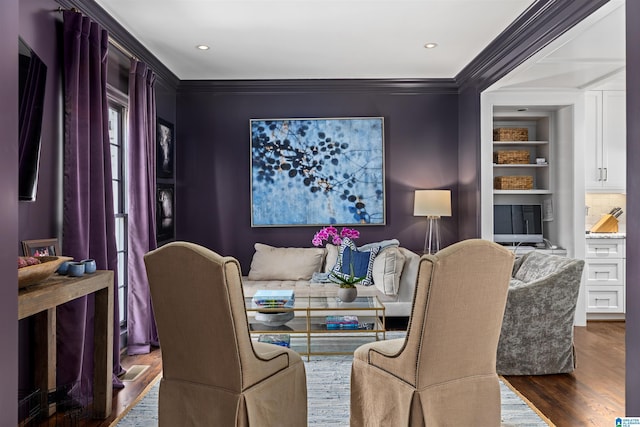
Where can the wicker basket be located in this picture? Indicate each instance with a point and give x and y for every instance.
(511, 134)
(513, 183)
(507, 157)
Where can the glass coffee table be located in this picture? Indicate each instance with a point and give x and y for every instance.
(308, 331)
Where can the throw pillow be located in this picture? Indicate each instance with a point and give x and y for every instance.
(387, 269)
(332, 257)
(272, 263)
(383, 244)
(362, 262)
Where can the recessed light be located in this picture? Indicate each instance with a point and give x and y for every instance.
(202, 47)
(430, 45)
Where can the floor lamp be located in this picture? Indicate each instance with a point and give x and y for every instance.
(432, 204)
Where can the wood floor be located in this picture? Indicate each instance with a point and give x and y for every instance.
(593, 395)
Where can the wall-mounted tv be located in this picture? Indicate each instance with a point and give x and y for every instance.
(32, 81)
(517, 224)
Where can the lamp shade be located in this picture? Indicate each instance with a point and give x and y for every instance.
(432, 203)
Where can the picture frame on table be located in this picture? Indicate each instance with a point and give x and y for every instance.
(165, 148)
(165, 212)
(41, 247)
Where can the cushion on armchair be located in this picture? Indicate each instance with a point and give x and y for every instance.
(536, 265)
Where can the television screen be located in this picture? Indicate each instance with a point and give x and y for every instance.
(517, 224)
(31, 85)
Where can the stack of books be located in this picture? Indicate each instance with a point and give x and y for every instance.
(277, 298)
(283, 340)
(342, 322)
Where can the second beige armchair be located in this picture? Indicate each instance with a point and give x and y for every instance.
(213, 374)
(444, 371)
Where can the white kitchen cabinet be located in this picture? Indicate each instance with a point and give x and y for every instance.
(605, 265)
(605, 141)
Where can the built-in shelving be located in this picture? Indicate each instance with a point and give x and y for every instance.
(522, 192)
(537, 146)
(556, 131)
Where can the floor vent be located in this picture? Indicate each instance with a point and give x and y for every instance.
(134, 372)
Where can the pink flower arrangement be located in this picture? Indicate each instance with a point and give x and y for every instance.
(330, 234)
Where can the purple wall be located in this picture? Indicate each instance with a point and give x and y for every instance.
(8, 211)
(38, 28)
(213, 185)
(469, 163)
(633, 205)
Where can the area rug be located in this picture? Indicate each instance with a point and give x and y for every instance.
(328, 399)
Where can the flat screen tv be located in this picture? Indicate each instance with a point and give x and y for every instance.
(32, 79)
(517, 224)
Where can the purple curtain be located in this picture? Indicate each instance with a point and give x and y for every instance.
(88, 219)
(142, 186)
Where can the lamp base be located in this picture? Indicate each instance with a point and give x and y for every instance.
(432, 236)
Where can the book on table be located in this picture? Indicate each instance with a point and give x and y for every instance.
(342, 322)
(283, 340)
(273, 298)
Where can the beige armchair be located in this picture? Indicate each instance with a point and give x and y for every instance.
(444, 371)
(213, 374)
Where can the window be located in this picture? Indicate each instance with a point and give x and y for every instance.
(118, 139)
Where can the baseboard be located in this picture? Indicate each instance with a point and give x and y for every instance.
(606, 316)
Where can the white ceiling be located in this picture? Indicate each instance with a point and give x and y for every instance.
(315, 39)
(589, 56)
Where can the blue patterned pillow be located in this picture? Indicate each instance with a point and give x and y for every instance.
(362, 261)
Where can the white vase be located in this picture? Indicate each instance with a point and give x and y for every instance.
(347, 294)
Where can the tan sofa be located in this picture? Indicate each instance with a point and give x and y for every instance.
(394, 274)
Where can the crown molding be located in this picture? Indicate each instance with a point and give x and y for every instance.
(536, 27)
(388, 86)
(120, 35)
(540, 24)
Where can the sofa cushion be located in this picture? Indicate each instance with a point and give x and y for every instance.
(536, 265)
(332, 257)
(362, 261)
(332, 251)
(387, 269)
(273, 263)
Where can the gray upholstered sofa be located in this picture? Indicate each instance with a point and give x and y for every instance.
(537, 329)
(394, 274)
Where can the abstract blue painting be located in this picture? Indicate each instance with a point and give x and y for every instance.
(317, 171)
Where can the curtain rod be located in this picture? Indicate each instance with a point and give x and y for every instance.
(60, 9)
(122, 49)
(113, 42)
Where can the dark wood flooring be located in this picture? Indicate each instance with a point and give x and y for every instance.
(593, 395)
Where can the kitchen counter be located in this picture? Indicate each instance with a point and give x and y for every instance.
(605, 235)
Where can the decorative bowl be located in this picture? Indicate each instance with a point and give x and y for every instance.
(33, 274)
(274, 319)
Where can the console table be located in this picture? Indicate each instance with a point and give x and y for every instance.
(40, 301)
